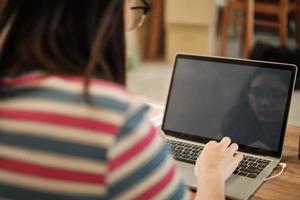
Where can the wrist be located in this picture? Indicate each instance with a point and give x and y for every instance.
(210, 178)
(209, 175)
(211, 186)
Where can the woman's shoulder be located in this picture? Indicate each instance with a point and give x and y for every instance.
(112, 101)
(108, 106)
(70, 88)
(98, 89)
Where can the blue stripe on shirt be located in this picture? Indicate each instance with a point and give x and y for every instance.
(62, 95)
(18, 193)
(179, 192)
(142, 172)
(133, 121)
(24, 140)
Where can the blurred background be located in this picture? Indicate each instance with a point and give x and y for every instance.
(257, 29)
(260, 29)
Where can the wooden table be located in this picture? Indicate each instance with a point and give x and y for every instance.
(287, 185)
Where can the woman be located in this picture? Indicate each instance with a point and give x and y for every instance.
(68, 129)
(260, 105)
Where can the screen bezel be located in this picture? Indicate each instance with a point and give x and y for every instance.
(252, 63)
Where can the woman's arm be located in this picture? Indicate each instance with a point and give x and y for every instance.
(215, 164)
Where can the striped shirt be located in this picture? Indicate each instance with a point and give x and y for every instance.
(53, 145)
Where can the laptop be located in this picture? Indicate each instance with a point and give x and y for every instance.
(246, 100)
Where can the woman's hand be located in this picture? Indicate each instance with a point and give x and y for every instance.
(215, 164)
(218, 158)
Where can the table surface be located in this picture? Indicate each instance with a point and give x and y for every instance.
(287, 185)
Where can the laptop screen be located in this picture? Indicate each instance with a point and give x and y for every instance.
(210, 98)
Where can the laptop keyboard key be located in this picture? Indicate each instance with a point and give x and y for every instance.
(252, 168)
(242, 174)
(251, 176)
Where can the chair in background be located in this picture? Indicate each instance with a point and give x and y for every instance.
(155, 36)
(281, 9)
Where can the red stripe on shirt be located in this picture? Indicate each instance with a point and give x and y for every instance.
(50, 172)
(59, 119)
(32, 77)
(21, 80)
(92, 81)
(158, 186)
(135, 149)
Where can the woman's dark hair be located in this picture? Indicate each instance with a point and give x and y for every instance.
(64, 36)
(235, 120)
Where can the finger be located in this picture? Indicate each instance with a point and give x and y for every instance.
(233, 149)
(225, 142)
(210, 143)
(237, 159)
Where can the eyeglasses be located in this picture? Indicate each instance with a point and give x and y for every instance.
(140, 10)
(271, 94)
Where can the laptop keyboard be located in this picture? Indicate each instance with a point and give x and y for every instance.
(249, 167)
(184, 151)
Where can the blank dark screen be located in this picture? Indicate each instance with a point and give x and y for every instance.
(213, 99)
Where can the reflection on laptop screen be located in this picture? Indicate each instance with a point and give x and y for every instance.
(213, 99)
